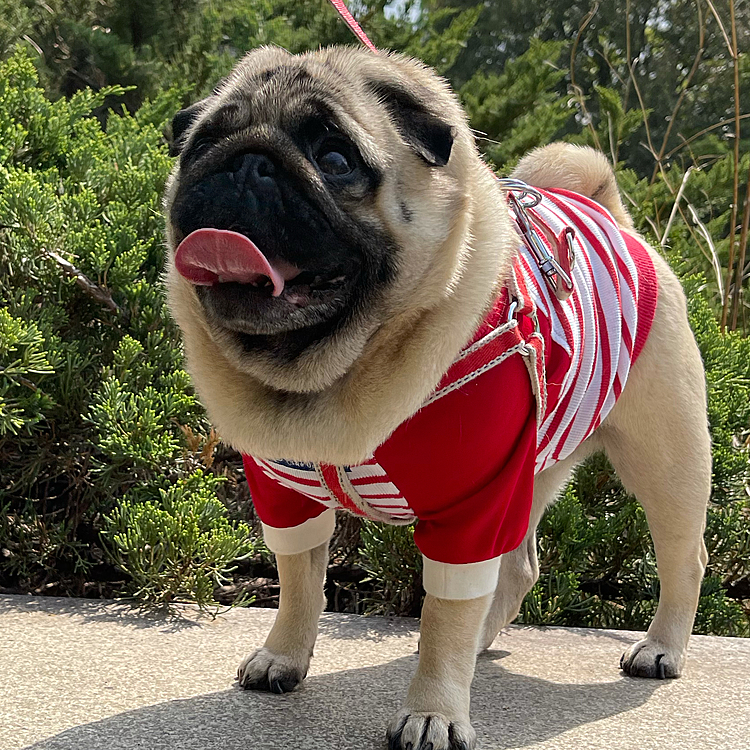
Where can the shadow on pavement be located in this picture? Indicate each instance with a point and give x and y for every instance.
(350, 709)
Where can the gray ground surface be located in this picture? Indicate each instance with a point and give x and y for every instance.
(86, 675)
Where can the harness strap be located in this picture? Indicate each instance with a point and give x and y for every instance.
(331, 479)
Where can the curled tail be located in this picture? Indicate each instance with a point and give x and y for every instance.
(578, 168)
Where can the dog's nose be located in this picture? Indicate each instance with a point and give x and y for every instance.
(258, 167)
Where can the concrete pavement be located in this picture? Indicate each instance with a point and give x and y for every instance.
(87, 675)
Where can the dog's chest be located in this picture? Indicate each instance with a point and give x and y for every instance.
(575, 353)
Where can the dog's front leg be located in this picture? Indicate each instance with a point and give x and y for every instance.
(436, 714)
(283, 661)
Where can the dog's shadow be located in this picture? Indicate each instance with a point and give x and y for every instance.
(350, 709)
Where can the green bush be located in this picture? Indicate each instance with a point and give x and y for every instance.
(94, 404)
(393, 566)
(180, 545)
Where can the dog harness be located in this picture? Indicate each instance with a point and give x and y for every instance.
(541, 373)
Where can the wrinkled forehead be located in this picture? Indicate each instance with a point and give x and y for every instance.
(291, 93)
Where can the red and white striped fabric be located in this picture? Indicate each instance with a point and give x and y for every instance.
(364, 489)
(594, 333)
(536, 380)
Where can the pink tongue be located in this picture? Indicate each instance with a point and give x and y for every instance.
(212, 256)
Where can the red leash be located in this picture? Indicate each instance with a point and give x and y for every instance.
(352, 24)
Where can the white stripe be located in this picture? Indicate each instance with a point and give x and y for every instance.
(363, 471)
(585, 389)
(579, 333)
(586, 413)
(395, 506)
(384, 488)
(317, 492)
(588, 344)
(277, 466)
(629, 300)
(609, 291)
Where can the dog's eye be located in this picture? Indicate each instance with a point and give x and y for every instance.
(198, 147)
(332, 161)
(334, 155)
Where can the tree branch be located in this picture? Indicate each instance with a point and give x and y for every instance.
(93, 290)
(734, 50)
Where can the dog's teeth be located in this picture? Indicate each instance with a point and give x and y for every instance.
(337, 280)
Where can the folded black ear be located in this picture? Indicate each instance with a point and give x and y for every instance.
(423, 130)
(180, 124)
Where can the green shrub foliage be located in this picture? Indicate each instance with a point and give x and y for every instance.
(394, 566)
(92, 391)
(180, 545)
(110, 476)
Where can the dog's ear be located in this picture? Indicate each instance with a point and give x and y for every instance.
(180, 124)
(429, 136)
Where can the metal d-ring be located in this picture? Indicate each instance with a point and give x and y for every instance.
(528, 195)
(512, 307)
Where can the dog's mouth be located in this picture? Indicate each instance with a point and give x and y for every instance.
(210, 256)
(248, 292)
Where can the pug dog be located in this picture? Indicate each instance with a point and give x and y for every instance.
(379, 325)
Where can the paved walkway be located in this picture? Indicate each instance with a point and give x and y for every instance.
(85, 675)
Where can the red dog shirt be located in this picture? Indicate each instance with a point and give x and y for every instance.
(536, 380)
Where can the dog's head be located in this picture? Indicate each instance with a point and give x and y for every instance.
(314, 202)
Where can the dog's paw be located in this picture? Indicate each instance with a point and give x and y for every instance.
(264, 670)
(419, 730)
(647, 658)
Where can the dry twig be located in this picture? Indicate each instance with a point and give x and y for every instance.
(713, 257)
(736, 184)
(577, 90)
(700, 133)
(94, 291)
(675, 207)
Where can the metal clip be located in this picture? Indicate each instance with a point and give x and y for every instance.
(558, 280)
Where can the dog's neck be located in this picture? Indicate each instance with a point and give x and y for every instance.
(399, 368)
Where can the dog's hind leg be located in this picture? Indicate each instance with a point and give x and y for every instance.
(283, 661)
(519, 569)
(657, 439)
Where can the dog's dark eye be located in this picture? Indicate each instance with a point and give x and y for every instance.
(333, 162)
(334, 155)
(199, 146)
